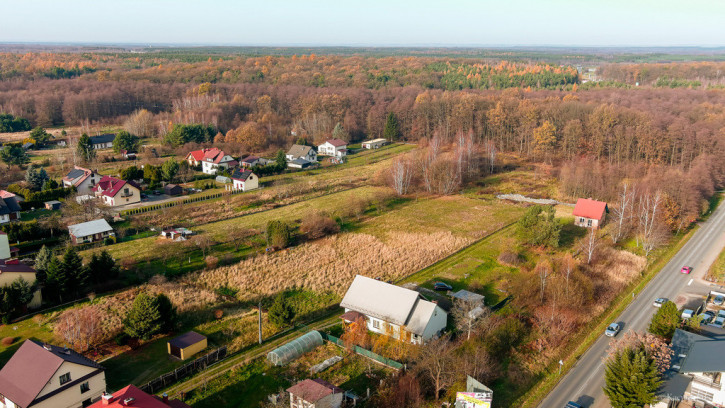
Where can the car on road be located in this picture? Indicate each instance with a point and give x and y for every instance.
(572, 404)
(442, 286)
(612, 330)
(659, 302)
(719, 300)
(686, 269)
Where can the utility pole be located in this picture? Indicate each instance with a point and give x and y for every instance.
(260, 322)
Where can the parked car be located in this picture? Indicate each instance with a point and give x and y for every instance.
(612, 330)
(144, 195)
(721, 313)
(572, 404)
(442, 286)
(719, 321)
(719, 300)
(707, 317)
(686, 269)
(659, 302)
(687, 313)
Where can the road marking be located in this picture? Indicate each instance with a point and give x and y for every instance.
(596, 369)
(690, 282)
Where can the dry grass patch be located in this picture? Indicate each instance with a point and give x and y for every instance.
(332, 263)
(614, 270)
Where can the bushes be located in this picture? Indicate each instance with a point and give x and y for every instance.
(279, 234)
(539, 227)
(281, 312)
(182, 134)
(24, 231)
(318, 225)
(11, 124)
(37, 198)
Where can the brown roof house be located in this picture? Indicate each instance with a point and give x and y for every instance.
(186, 345)
(44, 376)
(333, 147)
(315, 394)
(590, 213)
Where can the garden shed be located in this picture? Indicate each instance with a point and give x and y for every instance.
(173, 190)
(294, 349)
(186, 345)
(52, 205)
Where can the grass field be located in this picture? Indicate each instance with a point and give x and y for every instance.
(717, 269)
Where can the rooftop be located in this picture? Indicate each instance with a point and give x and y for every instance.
(588, 208)
(104, 138)
(85, 229)
(299, 150)
(15, 266)
(140, 400)
(187, 339)
(337, 142)
(313, 390)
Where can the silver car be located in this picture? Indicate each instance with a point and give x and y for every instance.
(612, 330)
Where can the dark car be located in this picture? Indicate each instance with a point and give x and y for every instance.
(442, 286)
(572, 404)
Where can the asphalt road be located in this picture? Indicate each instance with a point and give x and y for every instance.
(584, 382)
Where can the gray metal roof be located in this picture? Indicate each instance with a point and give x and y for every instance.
(705, 356)
(89, 228)
(466, 295)
(300, 161)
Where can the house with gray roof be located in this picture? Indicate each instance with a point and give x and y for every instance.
(391, 310)
(84, 180)
(45, 376)
(697, 369)
(104, 141)
(301, 152)
(9, 209)
(91, 231)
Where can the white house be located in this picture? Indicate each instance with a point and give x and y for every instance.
(697, 369)
(114, 192)
(333, 147)
(301, 152)
(315, 393)
(217, 161)
(386, 308)
(9, 208)
(91, 231)
(104, 141)
(374, 144)
(84, 180)
(43, 376)
(245, 180)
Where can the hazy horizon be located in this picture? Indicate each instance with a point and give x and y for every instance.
(376, 23)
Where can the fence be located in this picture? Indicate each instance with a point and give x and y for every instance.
(365, 353)
(184, 371)
(168, 204)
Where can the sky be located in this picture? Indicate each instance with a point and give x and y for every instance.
(367, 23)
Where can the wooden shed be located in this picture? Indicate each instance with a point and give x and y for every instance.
(173, 189)
(186, 345)
(52, 205)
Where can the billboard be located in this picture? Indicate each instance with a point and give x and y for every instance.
(473, 399)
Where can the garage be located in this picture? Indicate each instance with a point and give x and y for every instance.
(186, 345)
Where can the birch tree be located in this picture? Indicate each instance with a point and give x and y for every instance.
(651, 231)
(622, 212)
(589, 245)
(401, 174)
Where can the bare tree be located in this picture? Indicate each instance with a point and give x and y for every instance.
(140, 123)
(437, 363)
(239, 235)
(401, 174)
(490, 149)
(204, 242)
(81, 327)
(568, 265)
(589, 245)
(543, 269)
(468, 314)
(622, 212)
(651, 231)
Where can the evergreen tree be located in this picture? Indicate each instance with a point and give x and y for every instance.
(631, 379)
(125, 141)
(169, 169)
(144, 319)
(340, 133)
(56, 280)
(14, 154)
(665, 321)
(42, 259)
(278, 234)
(34, 178)
(85, 149)
(280, 313)
(280, 160)
(392, 131)
(40, 136)
(539, 226)
(78, 276)
(167, 312)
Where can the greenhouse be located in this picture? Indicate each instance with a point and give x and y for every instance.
(294, 349)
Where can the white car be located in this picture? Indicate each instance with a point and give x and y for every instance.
(719, 321)
(659, 302)
(687, 313)
(612, 330)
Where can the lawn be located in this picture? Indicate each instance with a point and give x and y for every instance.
(717, 269)
(534, 183)
(32, 328)
(141, 365)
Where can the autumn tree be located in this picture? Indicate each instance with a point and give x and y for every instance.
(437, 363)
(589, 245)
(317, 225)
(401, 175)
(140, 123)
(356, 334)
(545, 139)
(468, 313)
(652, 232)
(623, 212)
(81, 328)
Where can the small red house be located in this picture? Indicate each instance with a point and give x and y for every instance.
(590, 213)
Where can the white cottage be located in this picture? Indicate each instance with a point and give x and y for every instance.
(333, 147)
(387, 308)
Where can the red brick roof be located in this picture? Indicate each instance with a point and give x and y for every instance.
(588, 208)
(313, 390)
(198, 155)
(140, 400)
(110, 186)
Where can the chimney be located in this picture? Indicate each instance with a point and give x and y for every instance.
(106, 398)
(129, 401)
(165, 398)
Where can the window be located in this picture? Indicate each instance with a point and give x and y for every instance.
(589, 223)
(64, 378)
(376, 324)
(85, 387)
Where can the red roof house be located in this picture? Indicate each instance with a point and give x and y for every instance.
(194, 158)
(314, 393)
(590, 213)
(113, 191)
(131, 396)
